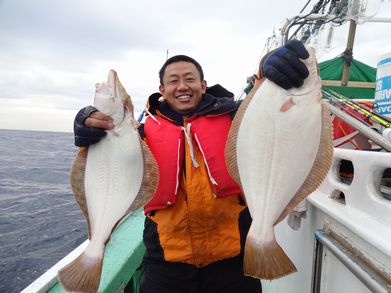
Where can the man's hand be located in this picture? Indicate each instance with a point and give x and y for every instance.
(90, 125)
(284, 67)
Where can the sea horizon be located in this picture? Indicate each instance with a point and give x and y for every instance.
(38, 130)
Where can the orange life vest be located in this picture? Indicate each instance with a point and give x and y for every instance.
(197, 206)
(166, 141)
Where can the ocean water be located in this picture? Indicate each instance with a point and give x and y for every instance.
(40, 221)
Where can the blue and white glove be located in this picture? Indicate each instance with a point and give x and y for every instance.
(84, 135)
(284, 67)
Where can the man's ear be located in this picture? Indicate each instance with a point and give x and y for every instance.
(203, 86)
(161, 89)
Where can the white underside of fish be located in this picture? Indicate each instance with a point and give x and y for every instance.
(279, 151)
(113, 177)
(275, 151)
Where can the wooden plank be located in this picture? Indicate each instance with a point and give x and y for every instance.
(359, 84)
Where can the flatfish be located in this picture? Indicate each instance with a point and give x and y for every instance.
(279, 150)
(110, 179)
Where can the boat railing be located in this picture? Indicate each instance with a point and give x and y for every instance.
(365, 191)
(360, 269)
(356, 227)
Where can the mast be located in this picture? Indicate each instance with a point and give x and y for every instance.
(348, 54)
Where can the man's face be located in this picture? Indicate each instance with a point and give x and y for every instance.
(182, 86)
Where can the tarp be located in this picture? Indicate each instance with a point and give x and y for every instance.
(332, 70)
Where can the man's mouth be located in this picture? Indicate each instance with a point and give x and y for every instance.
(184, 97)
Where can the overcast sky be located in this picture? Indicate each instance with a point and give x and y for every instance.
(53, 52)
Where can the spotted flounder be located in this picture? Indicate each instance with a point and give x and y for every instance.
(279, 150)
(110, 179)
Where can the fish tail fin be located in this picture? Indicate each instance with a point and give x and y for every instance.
(266, 260)
(82, 274)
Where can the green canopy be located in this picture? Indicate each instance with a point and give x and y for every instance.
(362, 78)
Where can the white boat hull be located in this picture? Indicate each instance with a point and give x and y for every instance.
(360, 223)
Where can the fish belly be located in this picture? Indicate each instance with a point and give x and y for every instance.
(113, 177)
(276, 148)
(275, 152)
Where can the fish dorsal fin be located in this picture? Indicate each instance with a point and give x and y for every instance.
(77, 182)
(320, 168)
(230, 147)
(150, 179)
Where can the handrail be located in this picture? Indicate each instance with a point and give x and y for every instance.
(359, 269)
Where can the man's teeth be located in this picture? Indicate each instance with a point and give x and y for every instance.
(183, 97)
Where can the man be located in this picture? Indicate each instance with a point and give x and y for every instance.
(197, 220)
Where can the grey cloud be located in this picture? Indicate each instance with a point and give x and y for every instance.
(43, 41)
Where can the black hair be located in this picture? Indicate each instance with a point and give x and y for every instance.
(178, 58)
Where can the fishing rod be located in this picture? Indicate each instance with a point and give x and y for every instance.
(341, 105)
(372, 111)
(370, 114)
(381, 139)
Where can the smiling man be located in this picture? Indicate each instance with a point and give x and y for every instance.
(196, 218)
(197, 221)
(182, 83)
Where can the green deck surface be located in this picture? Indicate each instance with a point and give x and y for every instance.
(123, 255)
